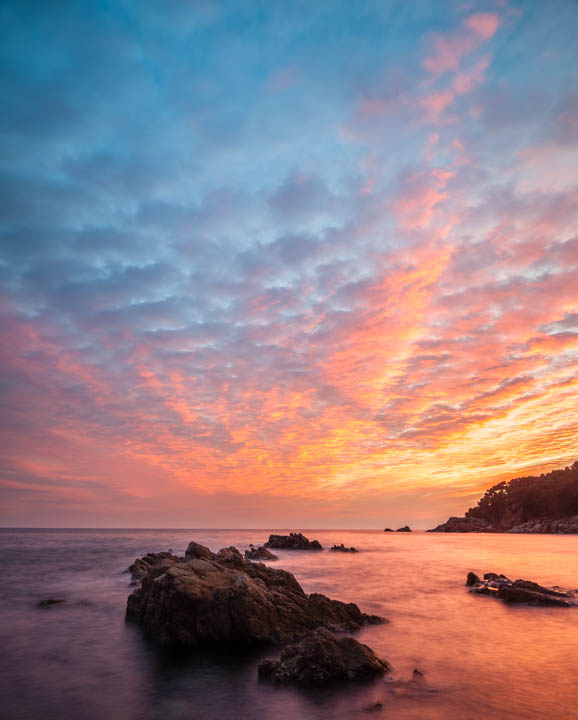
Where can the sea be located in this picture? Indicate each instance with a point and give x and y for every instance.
(478, 657)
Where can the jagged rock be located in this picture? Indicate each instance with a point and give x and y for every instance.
(520, 591)
(212, 599)
(322, 658)
(472, 579)
(342, 548)
(50, 601)
(260, 553)
(141, 566)
(293, 541)
(405, 528)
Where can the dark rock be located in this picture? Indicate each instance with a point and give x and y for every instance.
(260, 553)
(293, 541)
(342, 548)
(521, 591)
(212, 599)
(405, 528)
(322, 658)
(141, 566)
(472, 579)
(388, 530)
(463, 525)
(417, 673)
(51, 601)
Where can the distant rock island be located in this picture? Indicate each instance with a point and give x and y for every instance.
(544, 504)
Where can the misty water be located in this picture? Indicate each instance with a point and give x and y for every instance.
(479, 657)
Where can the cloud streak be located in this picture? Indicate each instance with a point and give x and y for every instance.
(252, 276)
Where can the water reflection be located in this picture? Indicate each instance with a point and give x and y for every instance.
(478, 656)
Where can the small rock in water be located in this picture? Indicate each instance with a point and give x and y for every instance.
(51, 601)
(342, 548)
(388, 530)
(519, 591)
(405, 528)
(322, 658)
(260, 553)
(293, 541)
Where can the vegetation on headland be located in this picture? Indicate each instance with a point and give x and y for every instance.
(550, 495)
(538, 504)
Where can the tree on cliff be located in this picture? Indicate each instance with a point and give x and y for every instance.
(552, 495)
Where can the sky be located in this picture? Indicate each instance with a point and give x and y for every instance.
(284, 264)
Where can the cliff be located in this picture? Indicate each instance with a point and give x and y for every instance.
(537, 504)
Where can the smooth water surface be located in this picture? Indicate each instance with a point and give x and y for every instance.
(479, 657)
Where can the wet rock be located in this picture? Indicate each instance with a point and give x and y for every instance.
(521, 591)
(141, 566)
(260, 553)
(51, 601)
(342, 548)
(220, 598)
(472, 579)
(293, 541)
(405, 528)
(388, 530)
(322, 658)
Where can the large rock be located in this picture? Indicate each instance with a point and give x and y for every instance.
(322, 658)
(293, 541)
(212, 599)
(260, 553)
(141, 566)
(405, 528)
(520, 591)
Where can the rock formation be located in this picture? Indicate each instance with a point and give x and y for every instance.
(322, 658)
(293, 541)
(536, 504)
(405, 528)
(260, 553)
(519, 591)
(210, 598)
(342, 548)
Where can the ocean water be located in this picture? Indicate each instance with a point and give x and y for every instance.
(479, 657)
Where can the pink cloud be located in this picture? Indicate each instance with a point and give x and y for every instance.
(483, 24)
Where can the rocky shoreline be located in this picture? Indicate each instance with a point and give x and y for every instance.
(564, 526)
(524, 592)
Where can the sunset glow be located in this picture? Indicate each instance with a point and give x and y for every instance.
(311, 266)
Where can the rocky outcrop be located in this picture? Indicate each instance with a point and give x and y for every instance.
(141, 566)
(343, 548)
(260, 553)
(520, 591)
(323, 658)
(293, 541)
(509, 525)
(405, 528)
(219, 598)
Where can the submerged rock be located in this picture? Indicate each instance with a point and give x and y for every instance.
(405, 528)
(293, 541)
(342, 548)
(520, 591)
(51, 601)
(322, 658)
(260, 553)
(220, 598)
